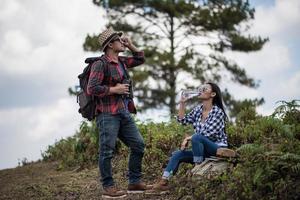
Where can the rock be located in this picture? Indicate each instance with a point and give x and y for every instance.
(210, 166)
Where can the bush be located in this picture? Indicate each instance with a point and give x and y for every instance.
(79, 150)
(269, 160)
(268, 166)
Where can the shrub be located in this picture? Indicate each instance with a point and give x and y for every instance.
(267, 167)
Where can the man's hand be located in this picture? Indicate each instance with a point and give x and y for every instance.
(119, 89)
(128, 43)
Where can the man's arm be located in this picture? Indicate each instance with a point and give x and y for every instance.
(95, 86)
(137, 58)
(96, 77)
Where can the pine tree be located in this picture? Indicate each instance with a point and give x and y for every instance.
(184, 43)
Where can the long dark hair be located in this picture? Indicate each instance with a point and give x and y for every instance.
(217, 100)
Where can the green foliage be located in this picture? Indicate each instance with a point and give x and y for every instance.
(267, 167)
(161, 140)
(81, 150)
(78, 150)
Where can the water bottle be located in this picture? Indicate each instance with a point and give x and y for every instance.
(188, 94)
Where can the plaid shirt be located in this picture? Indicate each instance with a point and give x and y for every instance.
(213, 127)
(103, 77)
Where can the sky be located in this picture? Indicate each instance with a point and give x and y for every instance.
(41, 55)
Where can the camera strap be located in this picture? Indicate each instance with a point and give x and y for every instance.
(126, 75)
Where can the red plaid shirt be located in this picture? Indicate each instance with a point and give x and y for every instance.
(102, 78)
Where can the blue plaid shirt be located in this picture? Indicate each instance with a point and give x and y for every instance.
(213, 127)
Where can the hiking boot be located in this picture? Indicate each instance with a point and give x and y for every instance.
(162, 187)
(113, 193)
(138, 188)
(224, 152)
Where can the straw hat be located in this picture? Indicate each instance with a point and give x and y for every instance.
(106, 36)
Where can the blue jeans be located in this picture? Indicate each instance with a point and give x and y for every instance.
(202, 148)
(123, 127)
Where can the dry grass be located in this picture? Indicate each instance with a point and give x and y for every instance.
(42, 180)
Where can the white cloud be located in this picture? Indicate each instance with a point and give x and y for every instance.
(34, 32)
(278, 19)
(54, 121)
(274, 63)
(42, 43)
(41, 54)
(290, 87)
(272, 59)
(27, 131)
(8, 9)
(36, 123)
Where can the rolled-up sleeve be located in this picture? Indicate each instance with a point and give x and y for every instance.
(96, 77)
(136, 59)
(188, 118)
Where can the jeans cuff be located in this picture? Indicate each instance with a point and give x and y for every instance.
(197, 159)
(166, 174)
(134, 180)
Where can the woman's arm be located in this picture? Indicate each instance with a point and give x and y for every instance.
(137, 57)
(181, 111)
(185, 142)
(182, 117)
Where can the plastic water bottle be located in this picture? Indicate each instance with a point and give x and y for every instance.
(188, 94)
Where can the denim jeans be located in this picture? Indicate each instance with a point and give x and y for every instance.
(202, 148)
(123, 127)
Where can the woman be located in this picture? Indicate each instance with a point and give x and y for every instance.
(209, 138)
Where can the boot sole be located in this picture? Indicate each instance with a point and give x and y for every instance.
(135, 191)
(224, 152)
(110, 197)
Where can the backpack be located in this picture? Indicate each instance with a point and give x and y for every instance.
(87, 103)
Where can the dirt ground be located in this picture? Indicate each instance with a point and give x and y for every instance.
(42, 181)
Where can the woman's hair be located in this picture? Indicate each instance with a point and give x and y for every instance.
(217, 100)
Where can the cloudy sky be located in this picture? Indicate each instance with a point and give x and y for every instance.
(41, 55)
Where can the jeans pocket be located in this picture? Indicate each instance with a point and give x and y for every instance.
(108, 127)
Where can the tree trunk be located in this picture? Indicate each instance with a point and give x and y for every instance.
(172, 80)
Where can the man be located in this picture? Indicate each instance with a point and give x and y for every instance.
(109, 82)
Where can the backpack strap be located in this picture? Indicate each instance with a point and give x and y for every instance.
(105, 65)
(91, 60)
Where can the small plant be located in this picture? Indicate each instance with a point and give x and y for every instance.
(23, 162)
(286, 108)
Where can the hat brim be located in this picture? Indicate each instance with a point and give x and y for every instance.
(108, 40)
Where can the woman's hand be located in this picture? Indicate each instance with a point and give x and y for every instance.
(181, 110)
(183, 99)
(185, 143)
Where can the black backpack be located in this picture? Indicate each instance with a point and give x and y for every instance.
(87, 103)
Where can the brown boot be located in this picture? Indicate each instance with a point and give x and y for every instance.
(138, 188)
(162, 187)
(224, 152)
(113, 193)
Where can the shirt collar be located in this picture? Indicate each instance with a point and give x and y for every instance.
(111, 60)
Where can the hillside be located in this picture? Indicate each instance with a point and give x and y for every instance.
(42, 180)
(267, 167)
